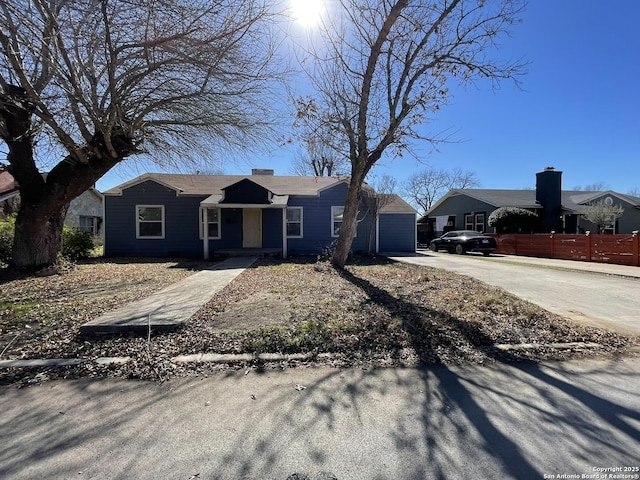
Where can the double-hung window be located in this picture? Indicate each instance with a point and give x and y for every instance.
(213, 222)
(294, 222)
(150, 221)
(336, 220)
(474, 221)
(88, 224)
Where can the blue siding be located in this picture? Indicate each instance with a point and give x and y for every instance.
(181, 223)
(230, 231)
(397, 232)
(245, 191)
(316, 222)
(460, 205)
(272, 228)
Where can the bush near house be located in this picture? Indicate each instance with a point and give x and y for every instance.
(513, 220)
(7, 227)
(76, 244)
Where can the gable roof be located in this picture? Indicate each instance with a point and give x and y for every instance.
(186, 184)
(572, 201)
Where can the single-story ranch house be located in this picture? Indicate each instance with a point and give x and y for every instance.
(201, 215)
(559, 210)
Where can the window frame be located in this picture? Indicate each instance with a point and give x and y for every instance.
(300, 222)
(204, 223)
(479, 223)
(469, 221)
(162, 223)
(94, 224)
(475, 221)
(333, 222)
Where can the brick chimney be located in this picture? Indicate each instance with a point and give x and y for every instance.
(261, 171)
(549, 196)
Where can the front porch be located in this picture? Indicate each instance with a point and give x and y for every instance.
(249, 252)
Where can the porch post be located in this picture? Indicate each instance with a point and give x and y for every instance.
(377, 233)
(205, 234)
(284, 232)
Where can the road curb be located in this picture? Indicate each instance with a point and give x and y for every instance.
(252, 357)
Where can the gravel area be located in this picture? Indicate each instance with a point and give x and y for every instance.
(374, 313)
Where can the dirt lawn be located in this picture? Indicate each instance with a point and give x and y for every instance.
(373, 312)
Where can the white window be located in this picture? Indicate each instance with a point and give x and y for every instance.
(474, 221)
(468, 221)
(149, 221)
(294, 222)
(88, 224)
(336, 220)
(213, 222)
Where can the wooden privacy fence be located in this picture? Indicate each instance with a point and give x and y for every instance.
(619, 249)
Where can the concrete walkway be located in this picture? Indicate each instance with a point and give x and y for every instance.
(601, 295)
(171, 306)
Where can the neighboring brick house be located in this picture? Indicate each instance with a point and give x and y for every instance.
(200, 215)
(85, 212)
(559, 210)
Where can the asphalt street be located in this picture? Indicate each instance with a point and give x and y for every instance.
(573, 291)
(499, 422)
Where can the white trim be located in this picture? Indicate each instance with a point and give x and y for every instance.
(377, 234)
(284, 233)
(162, 220)
(137, 181)
(332, 226)
(204, 223)
(301, 222)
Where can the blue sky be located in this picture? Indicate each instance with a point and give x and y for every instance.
(578, 108)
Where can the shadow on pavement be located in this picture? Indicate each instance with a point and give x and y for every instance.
(511, 420)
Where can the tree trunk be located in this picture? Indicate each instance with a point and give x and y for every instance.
(349, 222)
(38, 234)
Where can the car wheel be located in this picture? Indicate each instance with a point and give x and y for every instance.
(433, 247)
(459, 249)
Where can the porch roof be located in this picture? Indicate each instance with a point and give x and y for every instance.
(277, 201)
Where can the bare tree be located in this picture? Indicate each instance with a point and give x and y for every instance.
(634, 192)
(381, 68)
(602, 214)
(106, 79)
(425, 187)
(593, 187)
(319, 160)
(374, 198)
(322, 155)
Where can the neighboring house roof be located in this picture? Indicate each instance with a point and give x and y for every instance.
(213, 185)
(397, 205)
(573, 201)
(8, 184)
(10, 188)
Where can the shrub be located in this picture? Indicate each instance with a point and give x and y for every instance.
(7, 227)
(513, 220)
(76, 244)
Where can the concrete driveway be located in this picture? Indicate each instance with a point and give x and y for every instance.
(602, 295)
(519, 421)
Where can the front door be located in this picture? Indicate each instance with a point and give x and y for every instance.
(252, 228)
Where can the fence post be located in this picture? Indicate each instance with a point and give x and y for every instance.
(552, 242)
(588, 234)
(635, 248)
